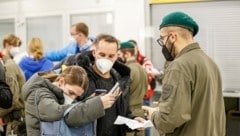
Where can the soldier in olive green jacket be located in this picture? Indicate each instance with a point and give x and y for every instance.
(191, 103)
(139, 84)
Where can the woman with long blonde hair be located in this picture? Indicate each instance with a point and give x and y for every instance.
(35, 61)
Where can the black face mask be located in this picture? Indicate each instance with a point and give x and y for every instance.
(166, 53)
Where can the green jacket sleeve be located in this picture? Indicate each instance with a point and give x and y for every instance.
(48, 106)
(85, 112)
(175, 102)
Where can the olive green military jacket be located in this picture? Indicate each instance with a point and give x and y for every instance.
(138, 88)
(191, 103)
(15, 79)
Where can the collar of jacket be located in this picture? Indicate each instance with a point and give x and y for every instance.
(86, 59)
(131, 61)
(188, 48)
(85, 47)
(37, 81)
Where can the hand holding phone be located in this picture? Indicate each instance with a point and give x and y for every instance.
(116, 90)
(100, 91)
(109, 99)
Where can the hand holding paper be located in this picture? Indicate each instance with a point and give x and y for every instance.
(133, 124)
(150, 110)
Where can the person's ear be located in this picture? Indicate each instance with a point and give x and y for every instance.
(94, 52)
(127, 55)
(61, 81)
(172, 37)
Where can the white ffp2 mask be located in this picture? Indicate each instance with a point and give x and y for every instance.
(14, 51)
(67, 99)
(104, 65)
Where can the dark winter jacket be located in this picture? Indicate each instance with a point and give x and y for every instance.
(121, 74)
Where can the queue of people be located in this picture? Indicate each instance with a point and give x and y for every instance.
(191, 103)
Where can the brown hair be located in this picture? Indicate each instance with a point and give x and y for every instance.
(130, 50)
(82, 28)
(35, 47)
(105, 37)
(10, 39)
(19, 42)
(75, 75)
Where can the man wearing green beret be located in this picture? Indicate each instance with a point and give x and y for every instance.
(139, 81)
(191, 103)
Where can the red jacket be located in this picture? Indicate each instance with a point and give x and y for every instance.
(148, 66)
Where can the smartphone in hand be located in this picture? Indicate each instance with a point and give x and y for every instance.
(116, 90)
(100, 91)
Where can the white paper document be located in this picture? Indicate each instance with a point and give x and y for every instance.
(133, 124)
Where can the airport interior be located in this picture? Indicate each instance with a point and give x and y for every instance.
(139, 20)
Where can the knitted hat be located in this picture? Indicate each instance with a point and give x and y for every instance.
(180, 19)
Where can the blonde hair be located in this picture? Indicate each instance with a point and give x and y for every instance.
(10, 39)
(35, 48)
(75, 75)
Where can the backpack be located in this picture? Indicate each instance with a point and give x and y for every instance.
(15, 116)
(5, 92)
(60, 128)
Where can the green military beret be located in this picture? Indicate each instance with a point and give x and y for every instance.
(180, 19)
(124, 45)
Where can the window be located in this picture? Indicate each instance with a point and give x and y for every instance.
(48, 29)
(97, 22)
(218, 34)
(6, 27)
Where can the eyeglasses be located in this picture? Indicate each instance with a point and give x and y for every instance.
(160, 40)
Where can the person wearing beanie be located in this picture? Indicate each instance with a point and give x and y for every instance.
(139, 84)
(192, 102)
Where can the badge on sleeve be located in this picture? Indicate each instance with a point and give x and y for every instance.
(166, 92)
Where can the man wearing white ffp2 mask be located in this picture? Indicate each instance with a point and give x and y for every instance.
(104, 65)
(103, 77)
(105, 55)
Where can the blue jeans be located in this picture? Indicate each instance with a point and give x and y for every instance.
(147, 130)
